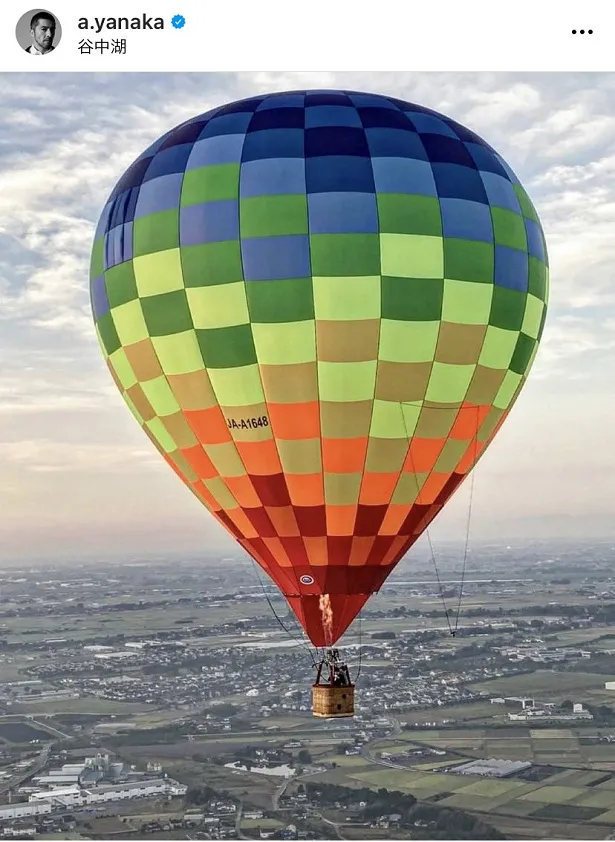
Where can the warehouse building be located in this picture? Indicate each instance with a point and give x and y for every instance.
(76, 796)
(492, 768)
(23, 809)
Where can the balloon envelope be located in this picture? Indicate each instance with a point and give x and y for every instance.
(320, 307)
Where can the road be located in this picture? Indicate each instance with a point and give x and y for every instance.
(279, 792)
(334, 825)
(36, 767)
(44, 726)
(238, 815)
(367, 753)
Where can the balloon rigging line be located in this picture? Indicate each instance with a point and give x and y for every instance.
(275, 614)
(356, 678)
(468, 524)
(435, 566)
(452, 630)
(427, 534)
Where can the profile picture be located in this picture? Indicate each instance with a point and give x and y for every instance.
(38, 32)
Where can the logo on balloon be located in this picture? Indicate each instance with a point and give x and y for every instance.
(307, 580)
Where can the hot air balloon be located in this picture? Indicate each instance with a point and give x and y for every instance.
(320, 306)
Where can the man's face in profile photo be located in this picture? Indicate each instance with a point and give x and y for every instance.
(42, 30)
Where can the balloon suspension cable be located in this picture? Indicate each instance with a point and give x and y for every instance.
(468, 524)
(356, 678)
(427, 534)
(439, 581)
(452, 628)
(299, 639)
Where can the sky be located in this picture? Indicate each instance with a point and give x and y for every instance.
(77, 476)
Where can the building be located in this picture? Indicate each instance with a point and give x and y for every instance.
(76, 796)
(68, 775)
(22, 809)
(106, 656)
(610, 685)
(69, 769)
(546, 716)
(48, 696)
(67, 796)
(54, 781)
(491, 768)
(519, 701)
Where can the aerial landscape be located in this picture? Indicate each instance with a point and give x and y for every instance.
(188, 705)
(366, 320)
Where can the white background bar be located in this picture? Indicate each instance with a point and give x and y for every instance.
(227, 35)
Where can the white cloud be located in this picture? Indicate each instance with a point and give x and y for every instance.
(49, 456)
(68, 138)
(570, 336)
(520, 100)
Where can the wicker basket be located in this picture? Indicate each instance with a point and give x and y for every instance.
(329, 702)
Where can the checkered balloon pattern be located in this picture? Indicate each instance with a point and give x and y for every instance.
(320, 306)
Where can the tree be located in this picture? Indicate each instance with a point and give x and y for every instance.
(304, 756)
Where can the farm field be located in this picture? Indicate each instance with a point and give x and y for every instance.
(286, 722)
(265, 823)
(585, 637)
(210, 746)
(552, 800)
(457, 713)
(547, 684)
(574, 801)
(85, 704)
(551, 747)
(258, 788)
(517, 827)
(344, 762)
(131, 623)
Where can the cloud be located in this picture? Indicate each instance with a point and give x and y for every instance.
(49, 456)
(53, 184)
(568, 338)
(68, 138)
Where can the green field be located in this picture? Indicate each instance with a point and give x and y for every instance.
(343, 762)
(545, 747)
(265, 823)
(593, 798)
(286, 722)
(583, 637)
(553, 794)
(580, 777)
(132, 623)
(255, 790)
(458, 713)
(551, 734)
(607, 818)
(85, 704)
(581, 797)
(548, 685)
(493, 787)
